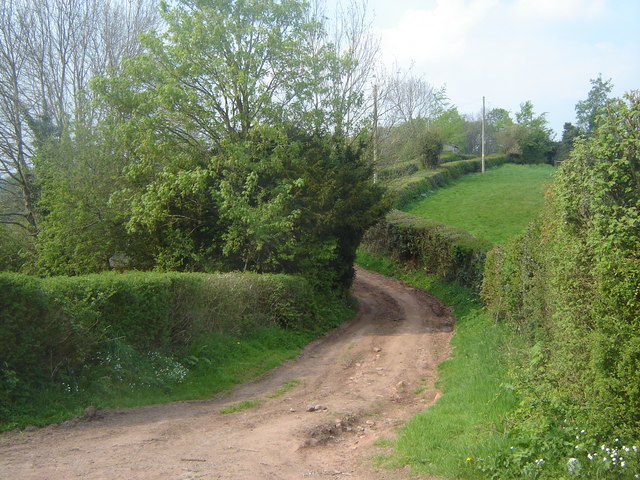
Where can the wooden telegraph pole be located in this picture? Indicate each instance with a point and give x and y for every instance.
(483, 168)
(375, 131)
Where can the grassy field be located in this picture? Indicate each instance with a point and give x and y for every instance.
(494, 206)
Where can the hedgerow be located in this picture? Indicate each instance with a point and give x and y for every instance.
(407, 190)
(572, 284)
(438, 249)
(60, 331)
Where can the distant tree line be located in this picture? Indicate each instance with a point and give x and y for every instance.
(416, 119)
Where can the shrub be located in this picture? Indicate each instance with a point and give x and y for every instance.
(431, 145)
(50, 326)
(445, 251)
(572, 282)
(398, 171)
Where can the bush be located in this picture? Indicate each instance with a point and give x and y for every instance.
(431, 145)
(398, 171)
(438, 249)
(571, 282)
(50, 326)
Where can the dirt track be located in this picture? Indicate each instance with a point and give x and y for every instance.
(368, 377)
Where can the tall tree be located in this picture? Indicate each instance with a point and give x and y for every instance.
(589, 110)
(533, 134)
(49, 50)
(407, 106)
(342, 95)
(570, 133)
(224, 152)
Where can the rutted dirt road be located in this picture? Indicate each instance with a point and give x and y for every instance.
(365, 378)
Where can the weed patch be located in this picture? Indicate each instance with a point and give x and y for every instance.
(243, 405)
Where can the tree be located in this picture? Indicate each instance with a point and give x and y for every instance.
(49, 50)
(227, 166)
(498, 121)
(588, 111)
(81, 230)
(431, 145)
(533, 136)
(570, 133)
(451, 127)
(407, 105)
(405, 98)
(354, 50)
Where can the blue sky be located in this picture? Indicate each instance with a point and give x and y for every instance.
(513, 50)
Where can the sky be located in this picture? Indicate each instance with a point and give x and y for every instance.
(511, 51)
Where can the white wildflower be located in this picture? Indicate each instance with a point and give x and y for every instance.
(573, 465)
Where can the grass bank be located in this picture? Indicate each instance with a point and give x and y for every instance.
(493, 206)
(466, 426)
(122, 340)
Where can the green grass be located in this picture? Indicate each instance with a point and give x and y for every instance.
(494, 206)
(243, 405)
(286, 387)
(451, 438)
(213, 363)
(254, 402)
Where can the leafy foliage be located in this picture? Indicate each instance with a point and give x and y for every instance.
(571, 284)
(440, 250)
(589, 110)
(76, 334)
(431, 145)
(221, 147)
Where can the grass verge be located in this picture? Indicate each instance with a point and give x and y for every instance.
(452, 437)
(493, 206)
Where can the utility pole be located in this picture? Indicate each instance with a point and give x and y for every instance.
(483, 134)
(375, 131)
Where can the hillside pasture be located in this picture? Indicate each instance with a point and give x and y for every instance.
(494, 205)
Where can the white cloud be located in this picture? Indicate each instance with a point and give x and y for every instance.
(515, 50)
(434, 34)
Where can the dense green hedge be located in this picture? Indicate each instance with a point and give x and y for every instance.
(447, 157)
(451, 253)
(398, 171)
(571, 286)
(439, 249)
(58, 323)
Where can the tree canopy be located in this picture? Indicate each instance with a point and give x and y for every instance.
(222, 147)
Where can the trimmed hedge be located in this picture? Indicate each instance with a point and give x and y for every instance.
(448, 252)
(60, 322)
(398, 171)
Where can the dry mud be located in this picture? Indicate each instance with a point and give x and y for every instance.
(358, 383)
